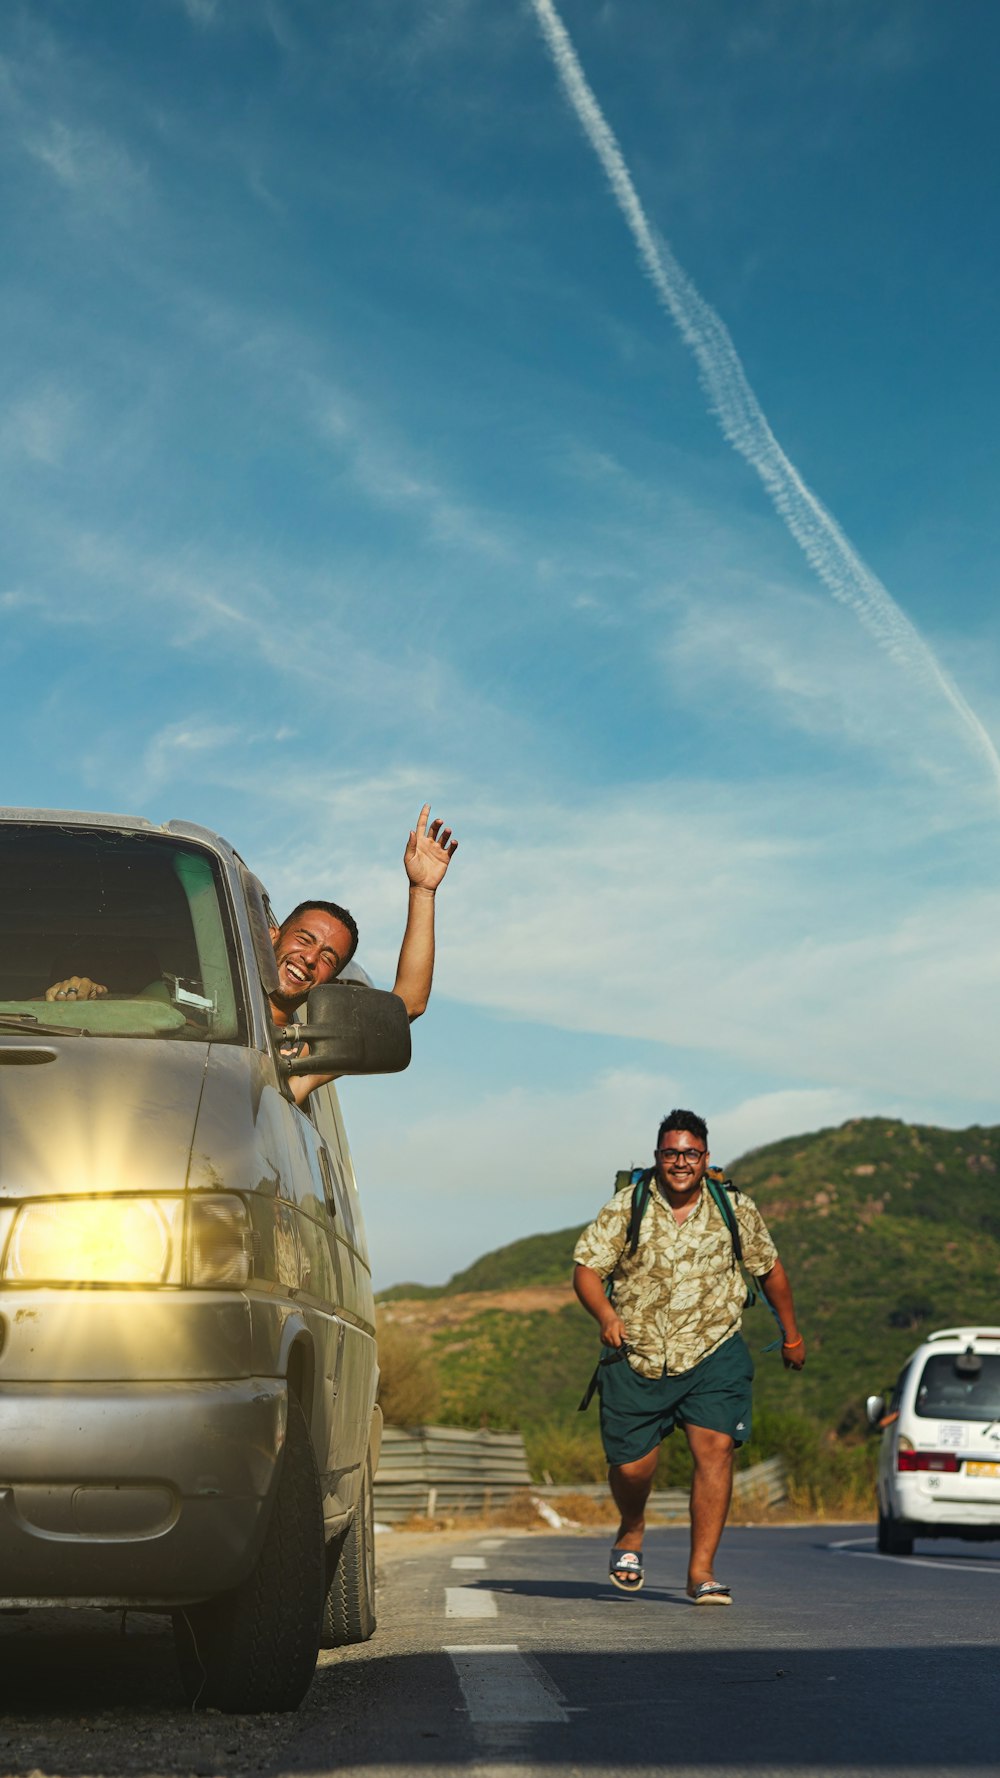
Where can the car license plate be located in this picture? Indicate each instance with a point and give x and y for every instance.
(974, 1468)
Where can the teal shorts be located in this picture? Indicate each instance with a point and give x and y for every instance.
(637, 1413)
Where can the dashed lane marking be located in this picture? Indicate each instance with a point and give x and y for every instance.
(500, 1686)
(469, 1602)
(468, 1561)
(491, 1543)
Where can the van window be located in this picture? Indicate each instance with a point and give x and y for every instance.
(142, 916)
(945, 1393)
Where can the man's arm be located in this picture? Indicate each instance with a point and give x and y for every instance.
(589, 1287)
(429, 851)
(778, 1291)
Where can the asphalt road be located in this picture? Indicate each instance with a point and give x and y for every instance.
(511, 1654)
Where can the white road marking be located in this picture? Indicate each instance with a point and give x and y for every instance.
(491, 1543)
(468, 1561)
(845, 1547)
(499, 1685)
(469, 1602)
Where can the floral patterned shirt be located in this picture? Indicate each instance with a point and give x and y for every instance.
(681, 1295)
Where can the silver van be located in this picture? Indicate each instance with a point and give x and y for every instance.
(939, 1461)
(188, 1370)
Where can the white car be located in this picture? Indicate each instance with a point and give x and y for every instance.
(939, 1463)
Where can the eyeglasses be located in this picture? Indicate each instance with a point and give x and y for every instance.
(671, 1157)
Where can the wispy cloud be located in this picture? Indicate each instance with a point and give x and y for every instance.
(40, 425)
(788, 928)
(88, 163)
(741, 418)
(175, 749)
(16, 599)
(390, 475)
(724, 922)
(784, 656)
(202, 12)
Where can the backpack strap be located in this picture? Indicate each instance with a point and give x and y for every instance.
(720, 1188)
(613, 1356)
(642, 1186)
(639, 1179)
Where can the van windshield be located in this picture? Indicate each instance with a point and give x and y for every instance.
(947, 1392)
(141, 917)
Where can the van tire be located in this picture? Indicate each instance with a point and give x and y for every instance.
(255, 1649)
(349, 1610)
(893, 1538)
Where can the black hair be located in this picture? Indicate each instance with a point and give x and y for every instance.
(327, 907)
(683, 1120)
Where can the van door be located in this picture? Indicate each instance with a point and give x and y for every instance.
(356, 1385)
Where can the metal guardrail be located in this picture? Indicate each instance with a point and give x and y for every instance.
(763, 1484)
(424, 1470)
(431, 1469)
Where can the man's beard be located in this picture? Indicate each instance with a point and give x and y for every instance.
(288, 1000)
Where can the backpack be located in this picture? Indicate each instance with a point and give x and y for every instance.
(640, 1179)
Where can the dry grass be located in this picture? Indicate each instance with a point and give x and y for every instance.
(519, 1513)
(848, 1500)
(584, 1510)
(804, 1505)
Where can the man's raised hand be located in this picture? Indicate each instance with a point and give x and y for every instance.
(429, 851)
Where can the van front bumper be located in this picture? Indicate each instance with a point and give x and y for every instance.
(151, 1495)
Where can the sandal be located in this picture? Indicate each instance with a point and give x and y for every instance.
(711, 1592)
(626, 1570)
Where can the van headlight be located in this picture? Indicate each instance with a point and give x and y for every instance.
(124, 1240)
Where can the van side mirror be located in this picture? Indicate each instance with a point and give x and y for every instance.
(352, 1029)
(874, 1410)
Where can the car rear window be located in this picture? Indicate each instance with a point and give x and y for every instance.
(946, 1391)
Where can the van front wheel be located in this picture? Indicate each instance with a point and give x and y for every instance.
(255, 1648)
(349, 1611)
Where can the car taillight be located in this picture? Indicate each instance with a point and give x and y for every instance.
(909, 1461)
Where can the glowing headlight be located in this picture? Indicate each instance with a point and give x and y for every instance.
(122, 1240)
(97, 1241)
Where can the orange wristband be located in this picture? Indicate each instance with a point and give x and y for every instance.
(790, 1345)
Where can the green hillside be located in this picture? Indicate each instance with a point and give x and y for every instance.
(887, 1230)
(535, 1259)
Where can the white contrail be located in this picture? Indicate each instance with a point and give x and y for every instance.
(741, 416)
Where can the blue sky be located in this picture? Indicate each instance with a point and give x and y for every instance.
(351, 459)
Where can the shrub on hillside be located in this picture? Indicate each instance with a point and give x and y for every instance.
(566, 1455)
(825, 1474)
(408, 1392)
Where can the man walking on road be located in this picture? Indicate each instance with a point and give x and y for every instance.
(677, 1356)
